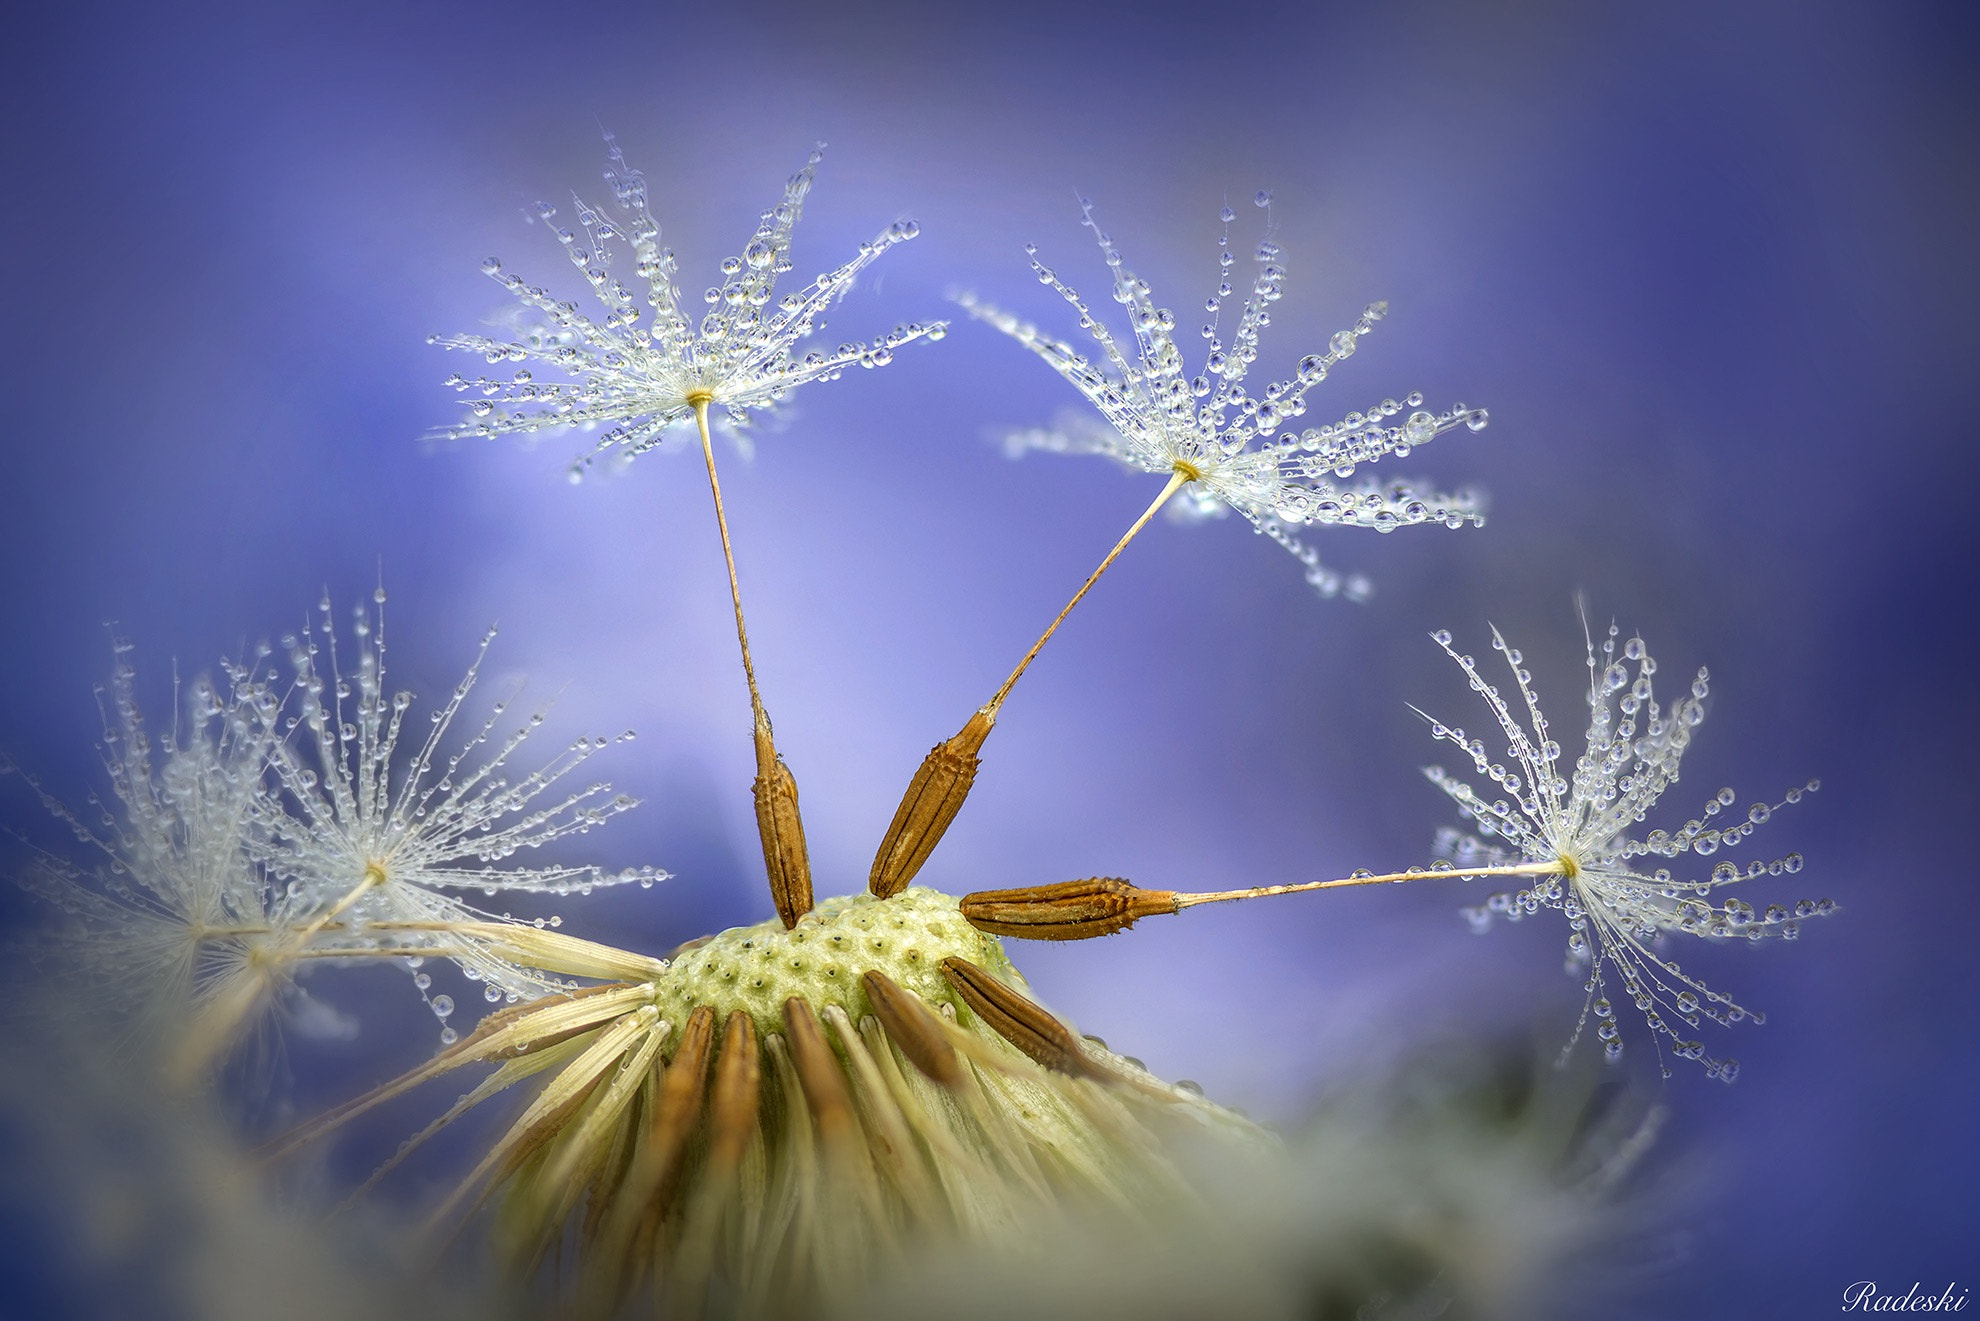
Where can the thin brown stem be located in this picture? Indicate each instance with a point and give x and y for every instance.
(778, 824)
(700, 404)
(1177, 480)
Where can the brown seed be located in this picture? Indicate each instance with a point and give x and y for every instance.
(933, 798)
(1069, 910)
(818, 1071)
(730, 1126)
(627, 1210)
(732, 1107)
(781, 829)
(914, 1029)
(655, 1175)
(1021, 1022)
(848, 1156)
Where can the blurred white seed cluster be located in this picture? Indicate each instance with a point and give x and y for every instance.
(277, 823)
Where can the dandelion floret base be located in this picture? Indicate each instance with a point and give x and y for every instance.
(757, 968)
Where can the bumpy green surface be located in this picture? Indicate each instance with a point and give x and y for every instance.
(757, 968)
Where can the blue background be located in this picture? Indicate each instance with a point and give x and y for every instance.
(1712, 268)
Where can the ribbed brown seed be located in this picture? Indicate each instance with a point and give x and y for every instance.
(1069, 910)
(914, 1029)
(650, 1185)
(732, 1106)
(781, 829)
(818, 1070)
(1021, 1022)
(730, 1124)
(933, 798)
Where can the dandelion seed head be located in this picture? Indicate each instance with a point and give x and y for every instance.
(1618, 903)
(174, 932)
(772, 1116)
(1241, 451)
(358, 832)
(637, 370)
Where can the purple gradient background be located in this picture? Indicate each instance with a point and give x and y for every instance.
(1712, 273)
